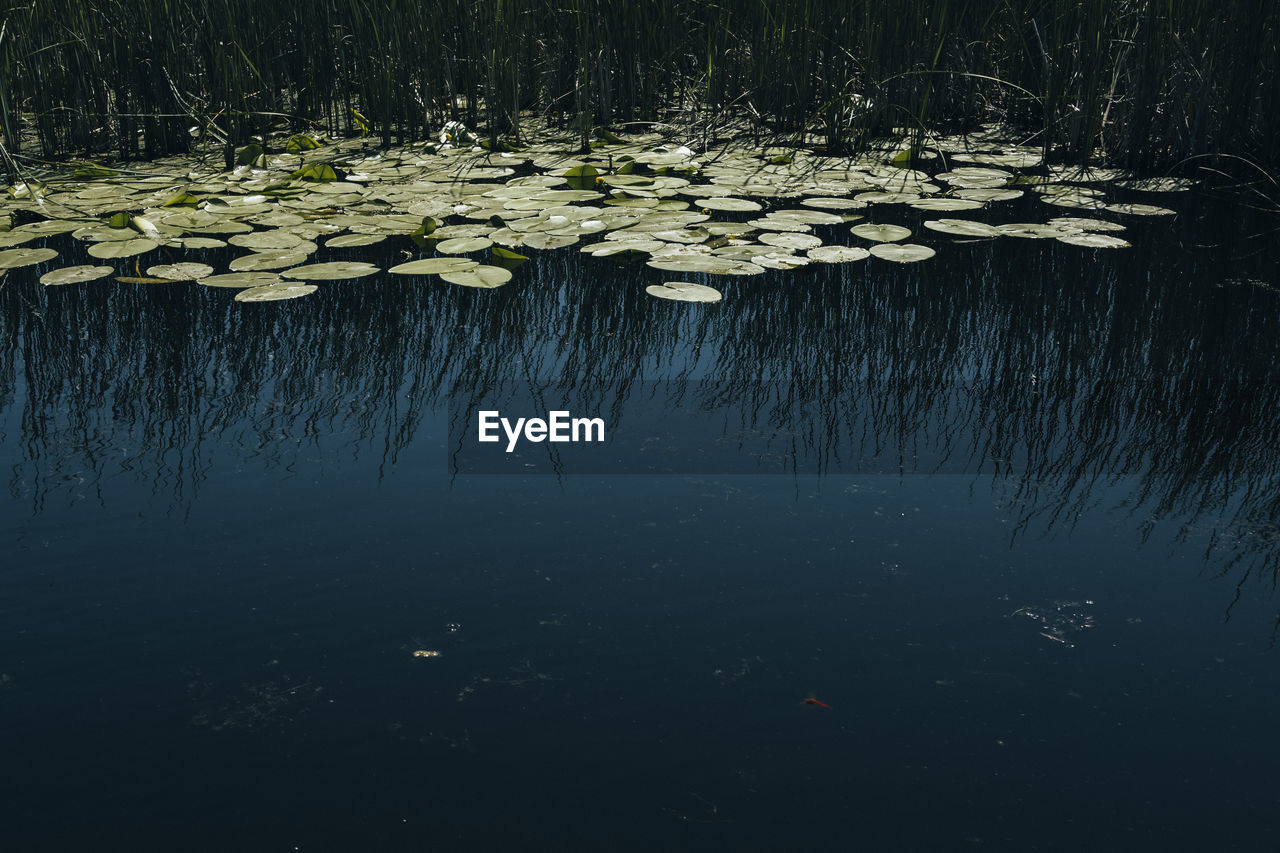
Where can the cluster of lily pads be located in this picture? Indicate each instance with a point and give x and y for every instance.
(729, 213)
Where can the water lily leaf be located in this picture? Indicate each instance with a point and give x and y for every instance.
(433, 266)
(1085, 224)
(729, 203)
(122, 248)
(684, 291)
(623, 247)
(1030, 230)
(543, 240)
(180, 272)
(462, 245)
(241, 279)
(704, 264)
(881, 233)
(1139, 209)
(838, 254)
(27, 190)
(75, 275)
(301, 142)
(833, 203)
(902, 253)
(319, 172)
(581, 177)
(780, 261)
(944, 204)
(506, 257)
(251, 155)
(267, 261)
(962, 227)
(274, 240)
(479, 276)
(181, 199)
(331, 271)
(142, 279)
(1095, 241)
(201, 243)
(275, 292)
(346, 241)
(789, 240)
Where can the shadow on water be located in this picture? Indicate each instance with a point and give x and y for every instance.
(1048, 371)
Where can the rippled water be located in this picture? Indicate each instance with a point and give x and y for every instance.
(1043, 620)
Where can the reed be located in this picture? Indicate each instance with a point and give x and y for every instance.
(1148, 82)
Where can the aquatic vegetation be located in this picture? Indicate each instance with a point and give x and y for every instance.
(465, 211)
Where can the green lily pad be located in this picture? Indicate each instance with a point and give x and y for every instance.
(267, 261)
(962, 227)
(331, 271)
(1086, 224)
(901, 253)
(881, 233)
(75, 275)
(1139, 209)
(704, 264)
(275, 292)
(274, 240)
(482, 276)
(791, 241)
(180, 272)
(433, 266)
(1095, 241)
(729, 203)
(684, 291)
(462, 245)
(122, 248)
(838, 254)
(346, 241)
(241, 280)
(12, 258)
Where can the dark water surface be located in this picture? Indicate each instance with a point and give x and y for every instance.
(1048, 623)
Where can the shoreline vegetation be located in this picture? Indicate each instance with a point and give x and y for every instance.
(1145, 86)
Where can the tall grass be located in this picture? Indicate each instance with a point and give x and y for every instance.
(1152, 82)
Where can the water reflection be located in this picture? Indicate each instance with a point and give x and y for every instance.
(1047, 370)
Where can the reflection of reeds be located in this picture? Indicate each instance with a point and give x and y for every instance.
(1152, 81)
(1073, 368)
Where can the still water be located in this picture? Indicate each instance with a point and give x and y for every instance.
(1043, 619)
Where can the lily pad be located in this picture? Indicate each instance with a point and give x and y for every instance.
(75, 275)
(729, 204)
(241, 279)
(275, 292)
(704, 264)
(838, 254)
(274, 240)
(346, 241)
(433, 266)
(1095, 241)
(267, 261)
(683, 291)
(962, 227)
(12, 258)
(482, 276)
(180, 272)
(462, 245)
(331, 271)
(122, 248)
(881, 233)
(901, 253)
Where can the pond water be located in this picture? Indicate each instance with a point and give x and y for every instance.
(1011, 515)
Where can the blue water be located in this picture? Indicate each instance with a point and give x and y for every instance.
(228, 527)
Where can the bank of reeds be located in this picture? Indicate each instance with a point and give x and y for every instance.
(1150, 82)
